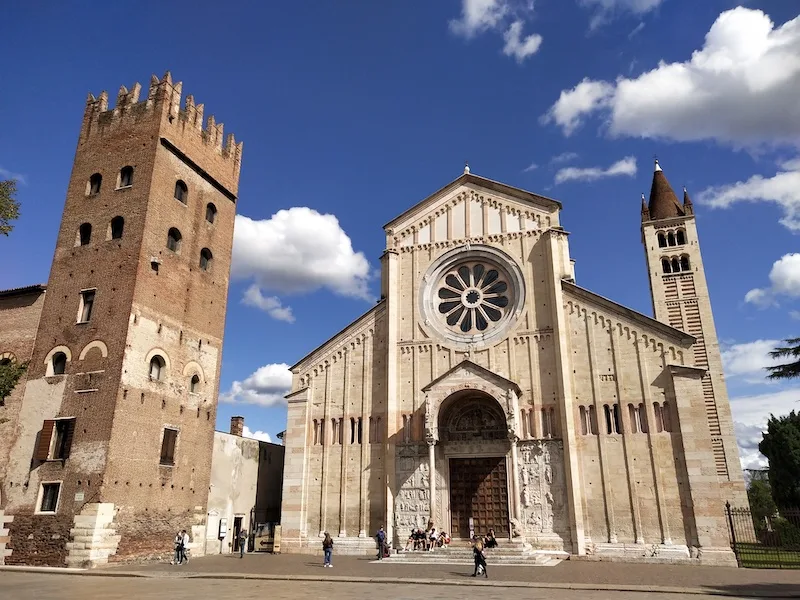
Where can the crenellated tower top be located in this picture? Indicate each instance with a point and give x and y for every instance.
(161, 107)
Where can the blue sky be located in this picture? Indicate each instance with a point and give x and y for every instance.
(351, 112)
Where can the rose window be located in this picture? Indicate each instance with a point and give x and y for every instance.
(471, 297)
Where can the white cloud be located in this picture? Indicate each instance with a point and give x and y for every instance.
(784, 280)
(299, 250)
(573, 104)
(256, 435)
(518, 47)
(270, 304)
(530, 167)
(750, 416)
(564, 157)
(782, 189)
(478, 16)
(605, 10)
(508, 16)
(626, 166)
(749, 360)
(741, 88)
(633, 33)
(6, 174)
(266, 387)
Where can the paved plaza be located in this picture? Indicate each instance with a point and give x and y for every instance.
(32, 586)
(293, 576)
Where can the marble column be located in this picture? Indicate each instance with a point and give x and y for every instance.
(432, 477)
(515, 506)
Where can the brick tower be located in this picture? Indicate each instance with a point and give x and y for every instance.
(113, 446)
(681, 299)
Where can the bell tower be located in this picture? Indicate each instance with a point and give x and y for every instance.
(680, 299)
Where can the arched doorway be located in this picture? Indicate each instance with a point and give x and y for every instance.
(473, 434)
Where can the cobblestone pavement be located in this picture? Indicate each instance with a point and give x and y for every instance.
(713, 579)
(36, 586)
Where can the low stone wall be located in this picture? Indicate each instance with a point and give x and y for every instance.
(39, 540)
(4, 537)
(149, 535)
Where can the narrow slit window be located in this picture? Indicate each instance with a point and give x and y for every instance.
(117, 227)
(181, 192)
(633, 414)
(360, 429)
(211, 212)
(194, 384)
(206, 259)
(126, 177)
(174, 240)
(95, 181)
(584, 419)
(84, 234)
(168, 446)
(87, 305)
(593, 420)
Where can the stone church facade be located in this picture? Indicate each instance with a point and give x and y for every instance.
(486, 389)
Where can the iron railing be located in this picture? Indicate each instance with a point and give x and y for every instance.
(765, 541)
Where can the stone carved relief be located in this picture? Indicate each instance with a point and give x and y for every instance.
(412, 503)
(542, 487)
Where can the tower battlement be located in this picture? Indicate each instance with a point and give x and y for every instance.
(162, 104)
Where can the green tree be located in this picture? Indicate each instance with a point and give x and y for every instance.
(788, 370)
(761, 503)
(781, 446)
(9, 207)
(10, 372)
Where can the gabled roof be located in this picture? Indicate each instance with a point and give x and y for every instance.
(662, 328)
(28, 289)
(663, 201)
(481, 370)
(495, 186)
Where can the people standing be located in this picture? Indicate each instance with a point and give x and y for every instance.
(184, 546)
(242, 542)
(480, 558)
(380, 539)
(178, 543)
(327, 550)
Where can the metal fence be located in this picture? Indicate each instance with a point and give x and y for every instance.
(765, 542)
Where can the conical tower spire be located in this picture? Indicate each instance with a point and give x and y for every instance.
(645, 210)
(663, 202)
(688, 207)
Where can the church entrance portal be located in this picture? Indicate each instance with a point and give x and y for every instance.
(474, 440)
(478, 490)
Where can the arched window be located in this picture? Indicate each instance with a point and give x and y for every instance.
(662, 241)
(680, 237)
(316, 432)
(85, 234)
(584, 419)
(643, 427)
(205, 259)
(676, 267)
(352, 430)
(117, 226)
(670, 239)
(633, 416)
(157, 368)
(174, 240)
(5, 361)
(665, 265)
(59, 363)
(181, 191)
(125, 177)
(684, 263)
(659, 416)
(211, 212)
(612, 419)
(593, 420)
(95, 181)
(666, 414)
(194, 384)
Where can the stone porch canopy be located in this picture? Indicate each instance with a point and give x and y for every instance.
(469, 376)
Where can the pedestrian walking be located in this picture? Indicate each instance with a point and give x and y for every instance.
(480, 558)
(242, 542)
(184, 547)
(327, 550)
(380, 538)
(178, 544)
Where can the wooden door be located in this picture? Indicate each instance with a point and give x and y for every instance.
(478, 489)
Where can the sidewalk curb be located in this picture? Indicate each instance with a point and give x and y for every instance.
(405, 581)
